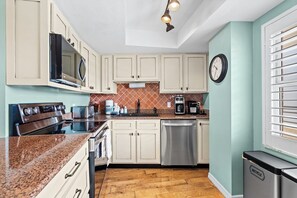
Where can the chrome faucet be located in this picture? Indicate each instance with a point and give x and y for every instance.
(138, 106)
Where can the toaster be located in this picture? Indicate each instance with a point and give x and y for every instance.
(82, 112)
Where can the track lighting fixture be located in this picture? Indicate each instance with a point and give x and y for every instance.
(172, 5)
(169, 27)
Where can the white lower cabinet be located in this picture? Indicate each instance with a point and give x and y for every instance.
(138, 141)
(73, 178)
(203, 141)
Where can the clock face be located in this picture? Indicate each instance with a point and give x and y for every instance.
(218, 68)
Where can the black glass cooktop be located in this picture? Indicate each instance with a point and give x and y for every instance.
(70, 128)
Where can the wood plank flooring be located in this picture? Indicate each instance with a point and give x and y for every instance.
(158, 183)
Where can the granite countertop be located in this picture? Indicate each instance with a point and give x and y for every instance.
(164, 116)
(28, 163)
(161, 116)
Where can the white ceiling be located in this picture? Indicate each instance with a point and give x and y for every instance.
(134, 26)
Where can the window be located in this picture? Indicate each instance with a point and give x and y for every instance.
(279, 75)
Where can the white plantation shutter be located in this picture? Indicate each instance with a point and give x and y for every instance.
(280, 83)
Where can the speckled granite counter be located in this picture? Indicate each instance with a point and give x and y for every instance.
(28, 163)
(101, 117)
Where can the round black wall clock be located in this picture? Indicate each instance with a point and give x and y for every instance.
(218, 68)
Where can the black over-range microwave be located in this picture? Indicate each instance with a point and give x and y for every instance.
(67, 66)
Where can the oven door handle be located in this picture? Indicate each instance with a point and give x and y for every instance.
(100, 140)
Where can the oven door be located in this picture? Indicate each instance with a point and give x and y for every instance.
(97, 162)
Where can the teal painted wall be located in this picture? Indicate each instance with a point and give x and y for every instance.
(2, 67)
(220, 113)
(241, 99)
(23, 94)
(257, 76)
(230, 104)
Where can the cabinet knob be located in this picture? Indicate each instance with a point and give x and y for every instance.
(108, 88)
(72, 44)
(132, 76)
(138, 76)
(138, 134)
(187, 88)
(69, 40)
(200, 124)
(91, 87)
(181, 88)
(130, 133)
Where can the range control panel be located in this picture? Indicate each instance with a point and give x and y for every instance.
(38, 111)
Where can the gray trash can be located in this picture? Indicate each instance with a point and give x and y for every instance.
(289, 183)
(262, 174)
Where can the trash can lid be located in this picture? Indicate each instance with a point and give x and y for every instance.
(290, 174)
(267, 161)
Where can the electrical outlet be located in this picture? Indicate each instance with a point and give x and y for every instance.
(168, 104)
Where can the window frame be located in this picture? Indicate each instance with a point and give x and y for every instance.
(282, 145)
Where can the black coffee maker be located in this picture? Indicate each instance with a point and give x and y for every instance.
(193, 107)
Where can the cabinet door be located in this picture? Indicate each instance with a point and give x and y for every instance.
(148, 68)
(92, 70)
(27, 42)
(124, 68)
(107, 84)
(59, 23)
(148, 142)
(171, 74)
(123, 146)
(73, 39)
(203, 141)
(195, 73)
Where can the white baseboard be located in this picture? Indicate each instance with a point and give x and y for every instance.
(221, 187)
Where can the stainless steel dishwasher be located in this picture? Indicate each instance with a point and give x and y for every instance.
(179, 142)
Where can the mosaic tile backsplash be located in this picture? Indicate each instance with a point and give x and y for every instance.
(149, 98)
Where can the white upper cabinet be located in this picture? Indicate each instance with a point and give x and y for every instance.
(27, 37)
(171, 77)
(195, 73)
(130, 68)
(148, 68)
(73, 39)
(59, 23)
(107, 84)
(183, 74)
(124, 68)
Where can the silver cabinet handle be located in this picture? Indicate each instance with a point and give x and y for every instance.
(177, 125)
(78, 192)
(76, 165)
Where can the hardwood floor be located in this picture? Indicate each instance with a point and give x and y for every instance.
(158, 183)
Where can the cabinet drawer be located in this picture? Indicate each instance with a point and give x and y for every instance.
(123, 124)
(71, 169)
(79, 187)
(148, 124)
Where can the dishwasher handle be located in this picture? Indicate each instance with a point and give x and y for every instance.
(178, 125)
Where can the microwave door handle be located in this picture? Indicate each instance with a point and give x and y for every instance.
(79, 67)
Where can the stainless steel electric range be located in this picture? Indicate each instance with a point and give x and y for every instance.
(46, 118)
